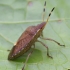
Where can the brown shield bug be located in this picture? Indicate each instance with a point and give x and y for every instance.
(28, 38)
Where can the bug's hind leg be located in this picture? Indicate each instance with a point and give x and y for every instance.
(46, 47)
(52, 40)
(28, 57)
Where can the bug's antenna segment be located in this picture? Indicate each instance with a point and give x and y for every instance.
(49, 14)
(44, 10)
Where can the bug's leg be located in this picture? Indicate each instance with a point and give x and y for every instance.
(42, 34)
(46, 47)
(28, 58)
(52, 40)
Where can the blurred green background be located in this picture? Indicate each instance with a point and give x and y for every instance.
(17, 15)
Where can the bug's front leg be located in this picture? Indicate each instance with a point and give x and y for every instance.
(28, 57)
(46, 47)
(41, 34)
(52, 40)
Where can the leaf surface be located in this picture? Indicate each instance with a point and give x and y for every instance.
(17, 15)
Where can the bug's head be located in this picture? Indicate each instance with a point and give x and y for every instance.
(41, 26)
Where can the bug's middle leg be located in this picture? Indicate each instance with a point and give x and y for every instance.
(28, 57)
(52, 40)
(46, 47)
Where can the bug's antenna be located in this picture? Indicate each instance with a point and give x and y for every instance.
(49, 14)
(44, 10)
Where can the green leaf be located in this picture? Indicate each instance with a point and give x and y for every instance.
(17, 15)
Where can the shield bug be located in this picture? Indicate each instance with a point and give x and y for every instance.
(28, 39)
